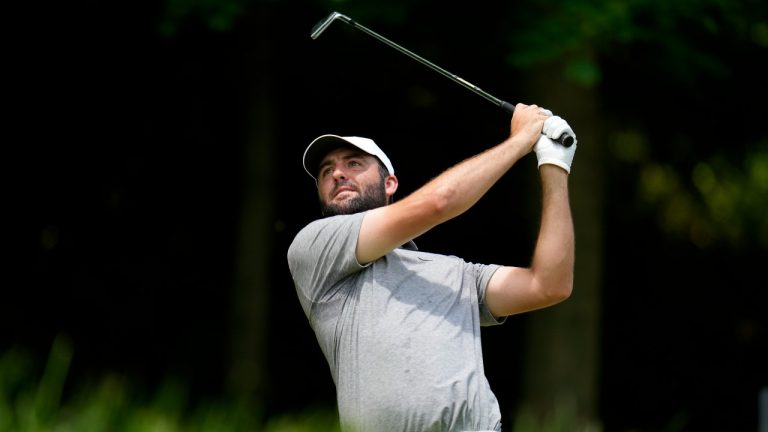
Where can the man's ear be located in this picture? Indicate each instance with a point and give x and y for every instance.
(390, 185)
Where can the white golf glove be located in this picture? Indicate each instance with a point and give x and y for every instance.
(550, 152)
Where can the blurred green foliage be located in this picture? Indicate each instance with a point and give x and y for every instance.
(563, 418)
(219, 15)
(583, 30)
(721, 200)
(32, 404)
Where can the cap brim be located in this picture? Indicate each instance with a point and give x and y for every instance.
(320, 147)
(324, 144)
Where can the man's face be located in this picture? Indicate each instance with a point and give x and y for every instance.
(349, 181)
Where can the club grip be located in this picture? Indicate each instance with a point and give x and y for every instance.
(508, 107)
(565, 140)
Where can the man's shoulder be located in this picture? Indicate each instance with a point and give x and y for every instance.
(324, 230)
(323, 252)
(328, 222)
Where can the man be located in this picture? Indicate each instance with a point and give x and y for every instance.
(400, 328)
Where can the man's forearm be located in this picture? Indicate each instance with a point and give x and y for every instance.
(451, 193)
(461, 186)
(553, 258)
(457, 189)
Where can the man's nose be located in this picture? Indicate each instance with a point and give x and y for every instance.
(338, 173)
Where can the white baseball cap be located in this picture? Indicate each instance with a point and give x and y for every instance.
(320, 146)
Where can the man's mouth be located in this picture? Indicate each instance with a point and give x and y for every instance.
(343, 189)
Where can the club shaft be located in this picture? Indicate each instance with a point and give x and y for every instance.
(457, 79)
(565, 139)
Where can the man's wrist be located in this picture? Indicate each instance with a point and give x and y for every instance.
(518, 145)
(553, 172)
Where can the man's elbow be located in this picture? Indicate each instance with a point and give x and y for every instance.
(565, 291)
(442, 201)
(555, 282)
(557, 291)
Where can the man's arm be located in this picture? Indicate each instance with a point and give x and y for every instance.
(451, 193)
(549, 280)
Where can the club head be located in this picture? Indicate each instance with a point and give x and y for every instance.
(322, 25)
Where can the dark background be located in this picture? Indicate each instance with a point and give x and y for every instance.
(127, 134)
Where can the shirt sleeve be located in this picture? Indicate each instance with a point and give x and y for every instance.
(322, 254)
(483, 276)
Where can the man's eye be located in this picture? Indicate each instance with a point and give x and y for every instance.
(354, 163)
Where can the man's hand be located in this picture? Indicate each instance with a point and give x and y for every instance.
(549, 152)
(527, 124)
(555, 127)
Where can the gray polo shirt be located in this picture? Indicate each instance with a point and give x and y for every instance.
(401, 334)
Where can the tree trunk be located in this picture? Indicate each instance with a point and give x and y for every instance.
(247, 373)
(562, 343)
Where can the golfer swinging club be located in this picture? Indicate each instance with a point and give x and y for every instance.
(400, 328)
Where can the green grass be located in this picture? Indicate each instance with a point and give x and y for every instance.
(31, 401)
(564, 418)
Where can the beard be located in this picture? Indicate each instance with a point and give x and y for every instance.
(371, 197)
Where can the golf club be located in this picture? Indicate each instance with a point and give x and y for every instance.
(565, 139)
